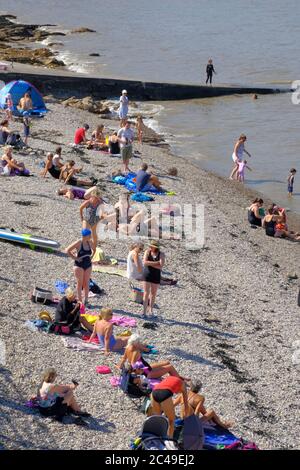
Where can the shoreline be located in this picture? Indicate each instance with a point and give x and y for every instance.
(236, 310)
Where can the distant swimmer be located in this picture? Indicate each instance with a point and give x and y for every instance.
(209, 71)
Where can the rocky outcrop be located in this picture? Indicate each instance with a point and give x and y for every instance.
(82, 30)
(87, 104)
(14, 33)
(42, 56)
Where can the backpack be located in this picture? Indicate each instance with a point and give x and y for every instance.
(42, 296)
(95, 288)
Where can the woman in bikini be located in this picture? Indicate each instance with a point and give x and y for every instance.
(196, 406)
(103, 329)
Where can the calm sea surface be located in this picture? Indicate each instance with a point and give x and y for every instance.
(251, 42)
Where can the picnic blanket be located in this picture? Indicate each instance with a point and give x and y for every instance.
(117, 320)
(109, 270)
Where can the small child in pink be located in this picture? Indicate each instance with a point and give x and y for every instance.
(241, 170)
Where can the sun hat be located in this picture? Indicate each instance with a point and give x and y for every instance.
(154, 243)
(124, 91)
(86, 232)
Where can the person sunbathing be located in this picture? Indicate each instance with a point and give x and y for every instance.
(55, 399)
(103, 329)
(133, 356)
(196, 406)
(72, 193)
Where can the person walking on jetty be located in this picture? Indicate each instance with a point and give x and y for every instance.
(237, 155)
(126, 136)
(209, 71)
(290, 180)
(123, 109)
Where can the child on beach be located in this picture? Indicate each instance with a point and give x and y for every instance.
(291, 181)
(26, 126)
(241, 170)
(9, 106)
(139, 126)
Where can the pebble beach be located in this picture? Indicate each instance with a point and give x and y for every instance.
(231, 321)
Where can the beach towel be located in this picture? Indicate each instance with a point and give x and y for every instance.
(110, 270)
(77, 344)
(117, 320)
(216, 437)
(139, 197)
(131, 185)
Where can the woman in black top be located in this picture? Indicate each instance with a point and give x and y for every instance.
(153, 262)
(68, 309)
(209, 71)
(254, 216)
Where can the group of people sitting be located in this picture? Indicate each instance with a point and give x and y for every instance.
(274, 220)
(65, 171)
(161, 378)
(118, 143)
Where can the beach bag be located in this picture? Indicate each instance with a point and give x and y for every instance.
(60, 329)
(136, 294)
(93, 287)
(42, 296)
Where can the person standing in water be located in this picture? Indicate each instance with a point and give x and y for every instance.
(237, 155)
(290, 180)
(209, 71)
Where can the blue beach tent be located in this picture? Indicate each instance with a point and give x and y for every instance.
(17, 89)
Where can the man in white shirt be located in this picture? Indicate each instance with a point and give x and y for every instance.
(126, 136)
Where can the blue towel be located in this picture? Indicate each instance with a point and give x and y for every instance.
(61, 286)
(140, 197)
(216, 436)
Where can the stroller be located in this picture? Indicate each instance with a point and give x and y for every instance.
(154, 435)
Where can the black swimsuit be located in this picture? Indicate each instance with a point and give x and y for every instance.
(253, 220)
(54, 172)
(86, 262)
(270, 228)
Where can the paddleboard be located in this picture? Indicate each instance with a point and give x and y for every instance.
(30, 240)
